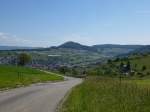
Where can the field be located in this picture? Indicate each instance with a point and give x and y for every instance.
(137, 62)
(99, 94)
(112, 68)
(13, 76)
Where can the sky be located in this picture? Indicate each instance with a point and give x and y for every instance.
(44, 23)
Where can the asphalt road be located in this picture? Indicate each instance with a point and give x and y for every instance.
(36, 98)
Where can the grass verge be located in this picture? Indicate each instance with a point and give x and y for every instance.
(13, 76)
(98, 94)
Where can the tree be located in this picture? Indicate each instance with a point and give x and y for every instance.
(128, 66)
(64, 69)
(74, 71)
(135, 65)
(117, 59)
(23, 59)
(121, 66)
(109, 61)
(144, 68)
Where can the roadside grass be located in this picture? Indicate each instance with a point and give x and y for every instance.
(141, 82)
(13, 76)
(99, 94)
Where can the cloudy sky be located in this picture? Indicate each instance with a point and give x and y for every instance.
(52, 22)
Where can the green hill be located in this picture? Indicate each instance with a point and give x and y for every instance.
(71, 54)
(13, 76)
(114, 49)
(77, 46)
(139, 63)
(139, 66)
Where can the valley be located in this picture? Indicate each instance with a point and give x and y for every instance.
(114, 76)
(74, 55)
(69, 54)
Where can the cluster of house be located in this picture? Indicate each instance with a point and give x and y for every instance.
(46, 66)
(8, 60)
(34, 64)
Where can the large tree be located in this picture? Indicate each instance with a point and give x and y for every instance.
(23, 59)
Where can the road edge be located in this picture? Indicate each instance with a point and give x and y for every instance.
(60, 104)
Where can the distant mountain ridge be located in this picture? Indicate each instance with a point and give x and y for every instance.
(107, 50)
(15, 47)
(73, 53)
(117, 46)
(142, 50)
(75, 45)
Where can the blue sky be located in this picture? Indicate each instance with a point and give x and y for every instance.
(52, 22)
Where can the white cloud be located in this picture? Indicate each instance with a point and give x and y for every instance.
(11, 40)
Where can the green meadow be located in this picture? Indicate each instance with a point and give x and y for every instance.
(14, 76)
(101, 94)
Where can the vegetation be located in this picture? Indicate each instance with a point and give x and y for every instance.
(134, 65)
(13, 76)
(120, 85)
(23, 59)
(71, 54)
(99, 94)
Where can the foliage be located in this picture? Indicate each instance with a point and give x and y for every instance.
(128, 66)
(64, 70)
(23, 59)
(143, 68)
(132, 66)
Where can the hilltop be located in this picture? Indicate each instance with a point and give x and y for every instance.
(72, 54)
(77, 46)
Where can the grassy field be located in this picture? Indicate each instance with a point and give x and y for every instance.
(137, 62)
(99, 94)
(141, 61)
(13, 76)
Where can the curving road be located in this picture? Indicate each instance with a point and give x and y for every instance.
(36, 98)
